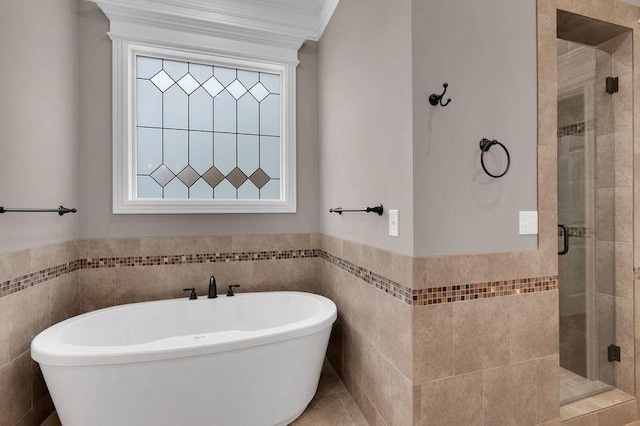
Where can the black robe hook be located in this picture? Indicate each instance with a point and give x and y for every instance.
(435, 99)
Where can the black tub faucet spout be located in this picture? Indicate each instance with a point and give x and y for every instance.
(213, 289)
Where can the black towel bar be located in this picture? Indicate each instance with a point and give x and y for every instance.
(60, 210)
(377, 209)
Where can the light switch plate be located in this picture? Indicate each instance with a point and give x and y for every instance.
(528, 223)
(393, 223)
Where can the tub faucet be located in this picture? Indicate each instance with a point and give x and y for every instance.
(213, 289)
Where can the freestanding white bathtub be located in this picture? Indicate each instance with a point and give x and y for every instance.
(252, 359)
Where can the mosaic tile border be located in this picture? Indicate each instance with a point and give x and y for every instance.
(578, 232)
(414, 297)
(26, 281)
(183, 259)
(390, 287)
(577, 128)
(457, 293)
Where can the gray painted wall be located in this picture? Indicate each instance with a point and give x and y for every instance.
(365, 121)
(97, 221)
(38, 120)
(486, 51)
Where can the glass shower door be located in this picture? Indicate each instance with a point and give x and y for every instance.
(587, 308)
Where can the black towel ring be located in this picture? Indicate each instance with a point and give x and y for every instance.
(485, 145)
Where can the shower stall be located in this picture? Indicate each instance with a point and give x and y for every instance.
(590, 349)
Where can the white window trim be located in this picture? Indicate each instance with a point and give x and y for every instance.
(130, 40)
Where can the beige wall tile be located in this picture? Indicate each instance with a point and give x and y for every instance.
(184, 245)
(548, 243)
(618, 415)
(97, 289)
(606, 267)
(624, 270)
(4, 331)
(547, 95)
(513, 265)
(364, 404)
(547, 170)
(450, 270)
(420, 271)
(607, 318)
(417, 404)
(387, 388)
(480, 334)
(29, 314)
(353, 347)
(141, 284)
(623, 103)
(402, 269)
(49, 256)
(623, 155)
(38, 386)
(249, 243)
(15, 389)
(109, 247)
(15, 264)
(352, 252)
(547, 397)
(624, 215)
(625, 374)
(376, 260)
(510, 395)
(455, 400)
(38, 414)
(605, 166)
(354, 298)
(588, 420)
(626, 14)
(432, 342)
(533, 325)
(393, 331)
(332, 245)
(624, 326)
(64, 297)
(335, 349)
(606, 212)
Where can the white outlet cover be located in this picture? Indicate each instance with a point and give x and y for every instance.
(394, 224)
(528, 223)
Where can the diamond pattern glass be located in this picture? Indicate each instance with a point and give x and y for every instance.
(206, 132)
(237, 89)
(162, 81)
(188, 84)
(237, 178)
(188, 176)
(213, 177)
(259, 92)
(213, 87)
(162, 175)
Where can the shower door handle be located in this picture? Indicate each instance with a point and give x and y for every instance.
(565, 240)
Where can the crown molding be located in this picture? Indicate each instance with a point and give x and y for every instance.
(280, 23)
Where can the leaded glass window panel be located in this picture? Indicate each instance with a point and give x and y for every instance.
(206, 132)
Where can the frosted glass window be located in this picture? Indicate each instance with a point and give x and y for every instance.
(206, 132)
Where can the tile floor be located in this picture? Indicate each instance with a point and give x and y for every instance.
(332, 405)
(574, 387)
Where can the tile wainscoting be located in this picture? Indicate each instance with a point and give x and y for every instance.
(395, 352)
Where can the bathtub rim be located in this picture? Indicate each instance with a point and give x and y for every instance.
(47, 349)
